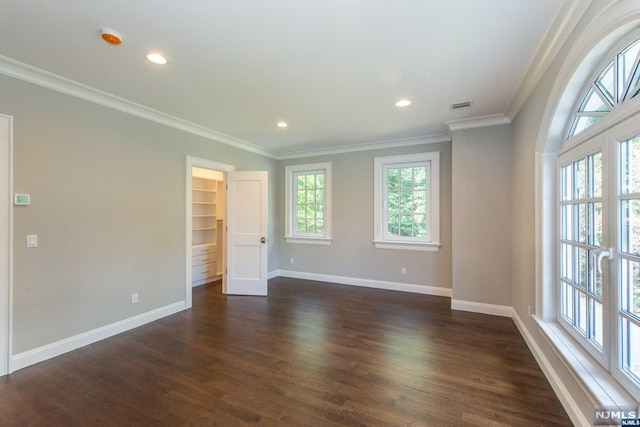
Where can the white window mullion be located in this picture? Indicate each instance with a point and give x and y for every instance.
(612, 184)
(633, 79)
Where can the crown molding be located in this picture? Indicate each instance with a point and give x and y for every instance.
(566, 17)
(21, 71)
(478, 122)
(376, 145)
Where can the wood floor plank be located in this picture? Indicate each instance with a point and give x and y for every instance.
(311, 354)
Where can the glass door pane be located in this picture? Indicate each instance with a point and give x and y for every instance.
(629, 263)
(582, 236)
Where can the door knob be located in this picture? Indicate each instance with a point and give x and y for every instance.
(263, 240)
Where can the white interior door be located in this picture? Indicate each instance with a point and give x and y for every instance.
(5, 241)
(246, 234)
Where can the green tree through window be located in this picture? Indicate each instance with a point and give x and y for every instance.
(407, 201)
(309, 202)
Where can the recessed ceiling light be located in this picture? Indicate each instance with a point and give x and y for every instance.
(403, 103)
(282, 124)
(156, 58)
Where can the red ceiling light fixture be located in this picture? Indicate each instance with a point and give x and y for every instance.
(111, 36)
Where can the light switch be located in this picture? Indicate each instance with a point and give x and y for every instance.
(32, 240)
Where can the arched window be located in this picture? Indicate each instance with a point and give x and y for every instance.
(598, 207)
(617, 82)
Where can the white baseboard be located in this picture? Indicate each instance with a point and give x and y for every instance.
(367, 283)
(40, 354)
(480, 307)
(272, 274)
(569, 404)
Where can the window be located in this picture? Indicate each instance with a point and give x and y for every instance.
(407, 202)
(613, 85)
(598, 202)
(599, 211)
(628, 266)
(581, 248)
(579, 223)
(308, 203)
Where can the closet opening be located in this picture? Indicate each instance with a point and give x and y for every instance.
(205, 208)
(207, 225)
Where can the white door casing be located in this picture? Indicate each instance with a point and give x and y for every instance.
(5, 242)
(205, 164)
(246, 234)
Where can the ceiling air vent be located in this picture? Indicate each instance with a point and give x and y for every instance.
(461, 105)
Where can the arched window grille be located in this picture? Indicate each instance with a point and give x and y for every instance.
(617, 82)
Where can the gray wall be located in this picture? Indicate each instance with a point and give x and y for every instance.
(481, 222)
(352, 253)
(526, 129)
(108, 205)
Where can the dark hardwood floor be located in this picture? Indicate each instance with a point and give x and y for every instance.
(311, 354)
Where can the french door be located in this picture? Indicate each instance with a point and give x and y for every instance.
(599, 249)
(584, 245)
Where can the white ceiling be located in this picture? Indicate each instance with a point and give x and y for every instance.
(332, 69)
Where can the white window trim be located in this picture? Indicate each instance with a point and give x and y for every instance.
(290, 236)
(602, 384)
(613, 378)
(589, 50)
(607, 388)
(610, 385)
(433, 245)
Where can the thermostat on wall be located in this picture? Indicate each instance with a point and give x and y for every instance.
(22, 200)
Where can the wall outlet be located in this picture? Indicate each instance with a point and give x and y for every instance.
(32, 241)
(403, 270)
(291, 260)
(134, 298)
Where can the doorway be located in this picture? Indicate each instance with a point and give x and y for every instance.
(6, 244)
(205, 249)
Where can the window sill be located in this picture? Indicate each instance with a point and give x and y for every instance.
(604, 388)
(309, 240)
(407, 246)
